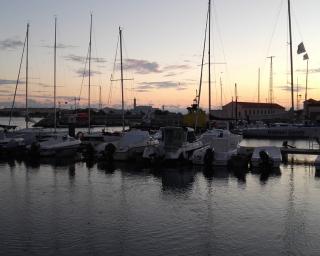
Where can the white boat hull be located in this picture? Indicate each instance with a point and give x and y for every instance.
(61, 151)
(129, 154)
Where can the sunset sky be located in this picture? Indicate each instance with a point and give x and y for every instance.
(163, 43)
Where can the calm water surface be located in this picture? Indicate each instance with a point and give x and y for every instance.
(57, 208)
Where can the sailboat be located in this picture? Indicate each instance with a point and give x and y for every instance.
(94, 142)
(57, 144)
(28, 135)
(222, 143)
(9, 142)
(131, 144)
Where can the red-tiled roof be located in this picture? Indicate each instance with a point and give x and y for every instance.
(257, 105)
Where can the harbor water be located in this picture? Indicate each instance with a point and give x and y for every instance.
(72, 207)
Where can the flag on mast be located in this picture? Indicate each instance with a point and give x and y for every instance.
(301, 48)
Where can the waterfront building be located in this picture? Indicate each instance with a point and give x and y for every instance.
(311, 109)
(251, 111)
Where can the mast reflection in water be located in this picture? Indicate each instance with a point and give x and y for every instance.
(76, 208)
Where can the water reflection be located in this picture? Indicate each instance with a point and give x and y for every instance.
(180, 180)
(106, 167)
(119, 208)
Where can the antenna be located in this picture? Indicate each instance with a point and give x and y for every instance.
(271, 80)
(259, 85)
(297, 93)
(221, 89)
(100, 103)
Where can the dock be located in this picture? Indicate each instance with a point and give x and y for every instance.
(244, 150)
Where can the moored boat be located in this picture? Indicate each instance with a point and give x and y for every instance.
(268, 157)
(175, 143)
(222, 143)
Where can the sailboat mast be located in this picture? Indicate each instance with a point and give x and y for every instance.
(307, 72)
(291, 59)
(27, 71)
(201, 72)
(54, 75)
(121, 69)
(89, 87)
(18, 79)
(209, 55)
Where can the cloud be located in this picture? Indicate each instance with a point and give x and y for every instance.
(9, 82)
(174, 67)
(44, 85)
(86, 73)
(142, 66)
(287, 88)
(33, 103)
(82, 59)
(4, 91)
(171, 74)
(10, 44)
(59, 46)
(313, 70)
(147, 86)
(39, 91)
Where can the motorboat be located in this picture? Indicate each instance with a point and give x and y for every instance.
(129, 147)
(317, 163)
(95, 142)
(175, 143)
(56, 145)
(268, 156)
(10, 145)
(222, 143)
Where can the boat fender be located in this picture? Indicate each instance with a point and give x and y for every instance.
(181, 158)
(208, 157)
(79, 135)
(34, 148)
(109, 151)
(89, 150)
(265, 158)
